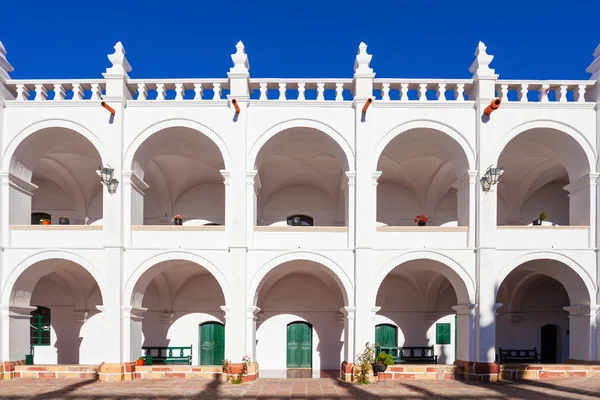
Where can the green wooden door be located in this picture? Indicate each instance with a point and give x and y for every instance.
(299, 345)
(212, 343)
(386, 335)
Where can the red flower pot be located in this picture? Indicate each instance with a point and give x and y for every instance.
(139, 362)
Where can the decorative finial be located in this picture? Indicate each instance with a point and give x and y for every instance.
(240, 59)
(481, 66)
(594, 67)
(5, 66)
(363, 59)
(120, 65)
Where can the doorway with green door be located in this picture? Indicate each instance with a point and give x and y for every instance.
(212, 343)
(299, 347)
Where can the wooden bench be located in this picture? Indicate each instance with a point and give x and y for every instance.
(412, 354)
(518, 356)
(167, 355)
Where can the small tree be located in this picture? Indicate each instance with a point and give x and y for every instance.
(362, 367)
(542, 216)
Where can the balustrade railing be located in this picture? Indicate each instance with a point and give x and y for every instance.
(56, 89)
(422, 90)
(178, 89)
(301, 89)
(543, 91)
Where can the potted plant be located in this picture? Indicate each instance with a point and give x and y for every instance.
(382, 361)
(540, 219)
(140, 361)
(421, 220)
(63, 221)
(44, 221)
(177, 220)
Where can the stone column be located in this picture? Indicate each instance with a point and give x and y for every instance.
(252, 315)
(583, 332)
(582, 203)
(350, 195)
(133, 188)
(132, 332)
(466, 192)
(348, 314)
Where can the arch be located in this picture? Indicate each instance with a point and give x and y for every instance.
(469, 153)
(333, 269)
(146, 265)
(459, 278)
(585, 279)
(301, 123)
(47, 124)
(585, 145)
(141, 137)
(24, 265)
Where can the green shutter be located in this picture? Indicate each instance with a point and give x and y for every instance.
(442, 333)
(386, 335)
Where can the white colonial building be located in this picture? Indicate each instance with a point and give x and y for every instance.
(298, 199)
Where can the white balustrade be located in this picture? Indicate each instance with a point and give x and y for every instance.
(178, 89)
(301, 89)
(56, 90)
(420, 90)
(543, 91)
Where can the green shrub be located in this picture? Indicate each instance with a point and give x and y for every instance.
(385, 358)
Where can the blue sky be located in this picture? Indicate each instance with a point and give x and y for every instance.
(530, 39)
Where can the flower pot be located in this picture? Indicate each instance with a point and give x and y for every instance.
(379, 367)
(178, 222)
(537, 222)
(421, 223)
(63, 221)
(139, 362)
(45, 222)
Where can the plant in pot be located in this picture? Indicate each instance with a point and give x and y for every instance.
(382, 361)
(44, 221)
(63, 221)
(140, 361)
(362, 366)
(177, 220)
(421, 220)
(540, 219)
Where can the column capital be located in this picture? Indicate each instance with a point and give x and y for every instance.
(134, 313)
(253, 313)
(22, 312)
(80, 316)
(582, 310)
(350, 177)
(583, 182)
(496, 307)
(226, 176)
(166, 317)
(375, 177)
(348, 312)
(462, 309)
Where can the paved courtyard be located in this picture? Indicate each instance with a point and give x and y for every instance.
(297, 389)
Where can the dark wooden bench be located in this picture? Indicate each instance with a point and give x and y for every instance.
(412, 354)
(518, 356)
(167, 355)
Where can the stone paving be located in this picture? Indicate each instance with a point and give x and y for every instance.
(297, 389)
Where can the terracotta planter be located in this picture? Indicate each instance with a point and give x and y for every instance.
(139, 362)
(45, 222)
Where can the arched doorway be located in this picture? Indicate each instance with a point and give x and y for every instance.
(212, 343)
(53, 175)
(416, 302)
(54, 314)
(181, 305)
(299, 345)
(300, 320)
(421, 169)
(301, 172)
(182, 168)
(540, 165)
(540, 301)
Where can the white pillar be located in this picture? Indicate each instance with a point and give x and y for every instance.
(252, 314)
(350, 195)
(466, 331)
(15, 332)
(466, 193)
(348, 313)
(252, 188)
(582, 328)
(133, 188)
(132, 332)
